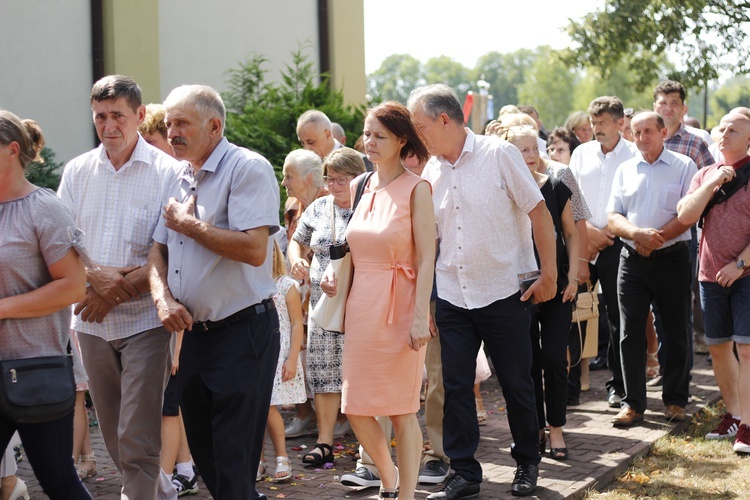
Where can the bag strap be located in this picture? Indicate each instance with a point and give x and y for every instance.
(360, 190)
(358, 195)
(727, 190)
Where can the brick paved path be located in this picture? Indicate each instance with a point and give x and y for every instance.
(598, 452)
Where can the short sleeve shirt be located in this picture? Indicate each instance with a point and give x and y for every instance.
(36, 231)
(726, 228)
(235, 189)
(118, 211)
(481, 208)
(647, 195)
(594, 172)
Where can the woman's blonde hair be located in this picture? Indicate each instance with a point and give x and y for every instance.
(279, 266)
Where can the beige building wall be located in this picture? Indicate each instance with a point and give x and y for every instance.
(45, 56)
(200, 41)
(131, 43)
(346, 24)
(46, 52)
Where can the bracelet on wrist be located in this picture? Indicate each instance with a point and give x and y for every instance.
(584, 260)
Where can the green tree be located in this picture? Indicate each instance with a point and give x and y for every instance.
(45, 173)
(505, 73)
(445, 70)
(708, 35)
(396, 77)
(734, 93)
(621, 83)
(262, 116)
(548, 86)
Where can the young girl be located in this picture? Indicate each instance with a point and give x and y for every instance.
(288, 384)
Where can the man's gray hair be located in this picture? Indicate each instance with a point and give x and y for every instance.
(314, 116)
(435, 100)
(306, 163)
(205, 100)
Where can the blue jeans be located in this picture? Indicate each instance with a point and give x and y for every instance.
(48, 447)
(504, 328)
(726, 311)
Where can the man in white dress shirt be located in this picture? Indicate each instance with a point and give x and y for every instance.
(594, 165)
(486, 204)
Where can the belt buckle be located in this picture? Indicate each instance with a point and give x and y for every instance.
(202, 326)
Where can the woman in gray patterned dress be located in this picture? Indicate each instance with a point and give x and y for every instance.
(41, 275)
(324, 348)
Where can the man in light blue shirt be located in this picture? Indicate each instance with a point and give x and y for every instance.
(654, 265)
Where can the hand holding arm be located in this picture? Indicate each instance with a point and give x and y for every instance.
(93, 308)
(110, 283)
(300, 267)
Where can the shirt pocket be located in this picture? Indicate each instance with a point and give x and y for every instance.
(143, 218)
(669, 195)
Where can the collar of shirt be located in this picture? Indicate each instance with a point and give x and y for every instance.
(142, 153)
(661, 159)
(468, 148)
(741, 162)
(616, 151)
(681, 131)
(216, 155)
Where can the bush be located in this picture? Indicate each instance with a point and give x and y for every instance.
(263, 116)
(45, 173)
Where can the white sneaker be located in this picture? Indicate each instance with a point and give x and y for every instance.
(298, 427)
(341, 428)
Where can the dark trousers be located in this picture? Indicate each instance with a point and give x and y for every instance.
(225, 383)
(504, 328)
(605, 271)
(48, 447)
(550, 326)
(664, 279)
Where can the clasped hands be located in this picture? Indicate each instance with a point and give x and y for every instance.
(109, 287)
(647, 240)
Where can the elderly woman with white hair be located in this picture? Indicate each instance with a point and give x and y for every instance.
(303, 180)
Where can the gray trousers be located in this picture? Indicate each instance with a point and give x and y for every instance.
(127, 378)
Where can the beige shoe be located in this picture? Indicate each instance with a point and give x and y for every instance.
(675, 413)
(626, 418)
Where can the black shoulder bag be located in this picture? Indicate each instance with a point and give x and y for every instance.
(726, 190)
(35, 390)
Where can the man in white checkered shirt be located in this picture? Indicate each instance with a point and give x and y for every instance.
(115, 193)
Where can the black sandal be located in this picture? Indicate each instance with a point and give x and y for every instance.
(316, 459)
(558, 453)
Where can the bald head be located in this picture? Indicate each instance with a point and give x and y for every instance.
(734, 136)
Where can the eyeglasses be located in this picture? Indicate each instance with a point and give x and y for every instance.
(341, 181)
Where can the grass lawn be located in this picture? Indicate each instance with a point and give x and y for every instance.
(686, 466)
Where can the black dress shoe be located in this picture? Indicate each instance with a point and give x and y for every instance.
(599, 363)
(457, 488)
(524, 482)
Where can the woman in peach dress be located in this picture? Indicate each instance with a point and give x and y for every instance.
(392, 240)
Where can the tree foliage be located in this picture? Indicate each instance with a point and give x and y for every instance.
(708, 35)
(505, 73)
(45, 173)
(733, 94)
(397, 76)
(443, 69)
(548, 87)
(262, 115)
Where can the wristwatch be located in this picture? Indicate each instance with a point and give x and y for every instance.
(741, 264)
